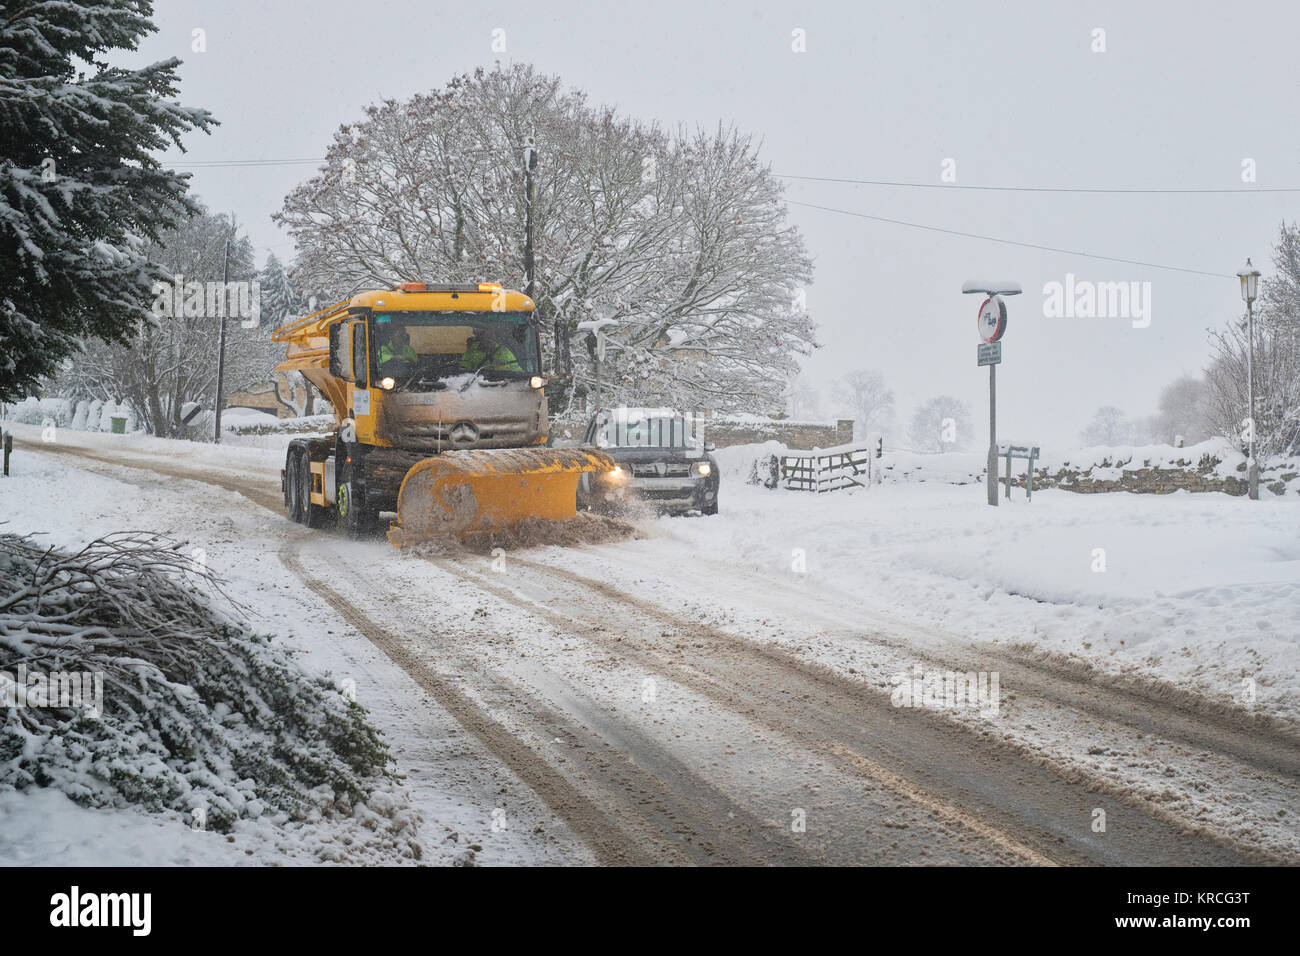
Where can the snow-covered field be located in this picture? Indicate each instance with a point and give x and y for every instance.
(1200, 592)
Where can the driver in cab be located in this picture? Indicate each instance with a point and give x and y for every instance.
(396, 355)
(482, 353)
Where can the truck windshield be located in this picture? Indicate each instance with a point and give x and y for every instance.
(425, 351)
(647, 429)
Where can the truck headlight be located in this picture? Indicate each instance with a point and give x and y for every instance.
(703, 469)
(536, 381)
(387, 384)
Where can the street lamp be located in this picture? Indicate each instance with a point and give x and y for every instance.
(1249, 277)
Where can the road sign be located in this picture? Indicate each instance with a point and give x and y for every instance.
(992, 322)
(990, 353)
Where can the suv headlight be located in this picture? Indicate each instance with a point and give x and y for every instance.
(702, 469)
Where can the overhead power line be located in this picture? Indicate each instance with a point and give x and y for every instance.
(217, 163)
(1140, 190)
(253, 163)
(1010, 242)
(897, 184)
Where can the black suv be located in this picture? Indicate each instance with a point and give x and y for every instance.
(662, 461)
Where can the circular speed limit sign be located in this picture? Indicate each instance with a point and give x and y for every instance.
(993, 319)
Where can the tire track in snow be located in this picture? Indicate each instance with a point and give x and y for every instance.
(966, 776)
(638, 807)
(1150, 707)
(745, 703)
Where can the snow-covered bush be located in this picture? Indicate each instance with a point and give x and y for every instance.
(196, 712)
(80, 416)
(37, 411)
(110, 411)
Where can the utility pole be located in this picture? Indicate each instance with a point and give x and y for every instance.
(530, 164)
(530, 264)
(221, 338)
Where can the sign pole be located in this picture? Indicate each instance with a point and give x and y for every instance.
(991, 325)
(993, 436)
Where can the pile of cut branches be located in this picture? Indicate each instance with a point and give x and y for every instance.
(197, 711)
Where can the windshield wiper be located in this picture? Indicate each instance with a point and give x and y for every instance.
(477, 372)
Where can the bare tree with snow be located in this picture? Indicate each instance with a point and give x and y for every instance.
(1108, 427)
(941, 424)
(173, 358)
(867, 400)
(1183, 411)
(680, 238)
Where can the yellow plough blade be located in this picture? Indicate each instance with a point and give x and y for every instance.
(483, 490)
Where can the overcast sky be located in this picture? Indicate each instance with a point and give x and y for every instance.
(1012, 93)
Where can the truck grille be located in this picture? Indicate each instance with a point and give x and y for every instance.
(449, 436)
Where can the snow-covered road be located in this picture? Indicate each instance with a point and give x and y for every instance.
(726, 689)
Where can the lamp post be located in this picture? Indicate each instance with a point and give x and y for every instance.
(1249, 277)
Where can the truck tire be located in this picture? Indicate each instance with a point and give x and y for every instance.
(356, 516)
(313, 516)
(292, 487)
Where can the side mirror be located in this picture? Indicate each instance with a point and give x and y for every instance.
(563, 357)
(336, 354)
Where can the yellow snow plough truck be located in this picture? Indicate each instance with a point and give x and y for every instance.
(440, 411)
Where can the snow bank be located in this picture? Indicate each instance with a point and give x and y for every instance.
(954, 467)
(1202, 590)
(736, 462)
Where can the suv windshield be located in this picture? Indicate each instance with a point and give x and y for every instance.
(424, 351)
(647, 429)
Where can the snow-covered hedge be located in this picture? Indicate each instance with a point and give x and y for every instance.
(197, 714)
(82, 416)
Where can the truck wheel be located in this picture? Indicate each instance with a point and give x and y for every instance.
(355, 516)
(311, 514)
(292, 487)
